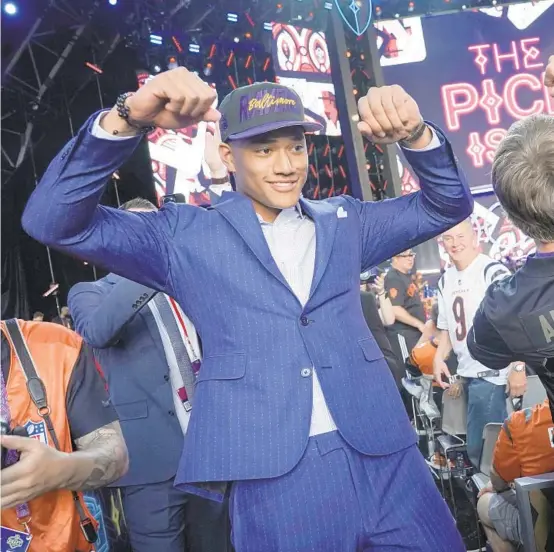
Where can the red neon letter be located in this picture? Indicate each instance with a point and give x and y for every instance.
(530, 52)
(475, 149)
(452, 107)
(481, 59)
(548, 99)
(492, 140)
(491, 102)
(498, 58)
(510, 100)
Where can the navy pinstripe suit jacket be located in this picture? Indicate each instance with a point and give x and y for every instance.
(252, 410)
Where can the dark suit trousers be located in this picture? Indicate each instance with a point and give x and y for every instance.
(160, 517)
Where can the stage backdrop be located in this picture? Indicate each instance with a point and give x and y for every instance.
(474, 73)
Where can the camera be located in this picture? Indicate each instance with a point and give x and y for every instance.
(174, 198)
(5, 430)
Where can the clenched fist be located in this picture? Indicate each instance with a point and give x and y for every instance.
(388, 114)
(549, 76)
(171, 100)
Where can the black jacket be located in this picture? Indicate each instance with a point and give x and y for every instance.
(373, 321)
(515, 322)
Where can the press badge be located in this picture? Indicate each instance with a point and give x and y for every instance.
(14, 541)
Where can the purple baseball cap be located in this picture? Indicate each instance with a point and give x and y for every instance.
(260, 108)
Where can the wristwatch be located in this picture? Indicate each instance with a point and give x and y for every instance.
(519, 368)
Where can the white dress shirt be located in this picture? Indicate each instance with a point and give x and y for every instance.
(291, 240)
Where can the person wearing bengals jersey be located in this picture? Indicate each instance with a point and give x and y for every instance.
(461, 289)
(525, 447)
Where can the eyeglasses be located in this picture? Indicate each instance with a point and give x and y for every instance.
(407, 255)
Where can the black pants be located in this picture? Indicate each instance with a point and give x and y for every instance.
(160, 517)
(402, 344)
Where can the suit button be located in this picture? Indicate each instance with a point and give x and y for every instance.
(166, 377)
(171, 413)
(306, 372)
(304, 321)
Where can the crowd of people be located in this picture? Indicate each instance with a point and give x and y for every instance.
(234, 376)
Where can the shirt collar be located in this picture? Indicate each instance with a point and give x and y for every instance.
(286, 215)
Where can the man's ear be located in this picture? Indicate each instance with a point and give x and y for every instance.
(226, 155)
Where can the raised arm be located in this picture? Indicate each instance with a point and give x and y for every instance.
(101, 311)
(388, 115)
(64, 212)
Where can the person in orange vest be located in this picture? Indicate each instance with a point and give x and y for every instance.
(73, 442)
(524, 448)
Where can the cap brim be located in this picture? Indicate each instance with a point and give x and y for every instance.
(308, 126)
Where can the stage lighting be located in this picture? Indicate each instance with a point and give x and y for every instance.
(156, 68)
(112, 2)
(10, 8)
(172, 62)
(268, 26)
(328, 5)
(155, 39)
(236, 39)
(194, 48)
(232, 17)
(208, 69)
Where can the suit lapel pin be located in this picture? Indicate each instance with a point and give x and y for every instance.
(341, 213)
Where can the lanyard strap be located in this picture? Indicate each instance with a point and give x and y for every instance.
(194, 354)
(12, 456)
(37, 392)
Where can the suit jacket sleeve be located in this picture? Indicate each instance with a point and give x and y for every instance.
(486, 345)
(63, 212)
(394, 225)
(101, 312)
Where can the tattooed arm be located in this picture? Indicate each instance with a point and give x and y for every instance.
(100, 459)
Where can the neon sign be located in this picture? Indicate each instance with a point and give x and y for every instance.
(520, 95)
(356, 14)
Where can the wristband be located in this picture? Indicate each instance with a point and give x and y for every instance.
(416, 134)
(223, 180)
(123, 111)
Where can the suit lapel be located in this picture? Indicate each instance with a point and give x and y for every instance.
(324, 216)
(239, 213)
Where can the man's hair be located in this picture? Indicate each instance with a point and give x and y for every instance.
(467, 222)
(523, 176)
(138, 203)
(38, 313)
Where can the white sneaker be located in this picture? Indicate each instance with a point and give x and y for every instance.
(426, 402)
(412, 387)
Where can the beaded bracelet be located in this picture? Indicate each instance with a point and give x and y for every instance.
(123, 111)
